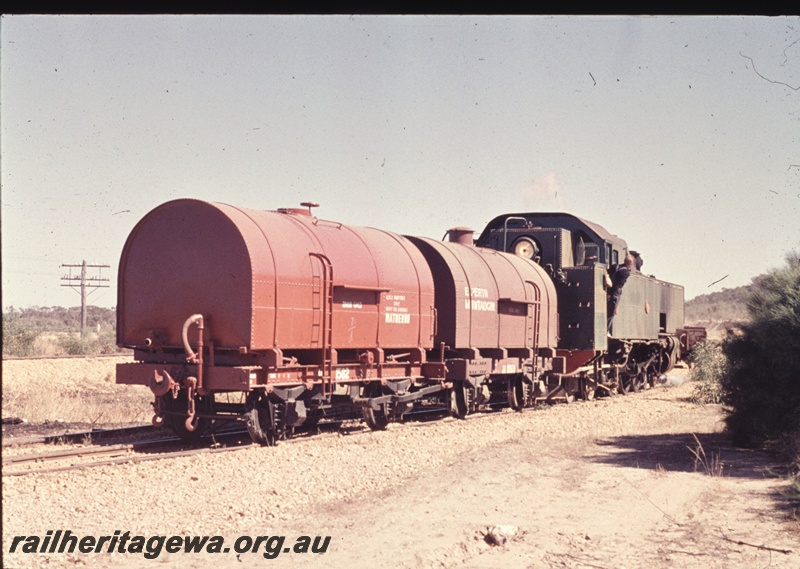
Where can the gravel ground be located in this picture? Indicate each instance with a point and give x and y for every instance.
(342, 484)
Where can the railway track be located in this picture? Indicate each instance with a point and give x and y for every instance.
(77, 437)
(227, 440)
(102, 455)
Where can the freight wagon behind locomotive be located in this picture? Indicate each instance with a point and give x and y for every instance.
(298, 316)
(644, 341)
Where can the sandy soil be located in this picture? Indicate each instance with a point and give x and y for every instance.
(611, 483)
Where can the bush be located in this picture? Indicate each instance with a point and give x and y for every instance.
(43, 331)
(18, 338)
(762, 383)
(709, 368)
(77, 346)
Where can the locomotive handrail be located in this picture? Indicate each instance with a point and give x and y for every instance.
(325, 223)
(505, 230)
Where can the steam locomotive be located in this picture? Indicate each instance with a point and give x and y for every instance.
(279, 318)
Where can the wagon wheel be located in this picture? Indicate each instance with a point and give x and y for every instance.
(569, 397)
(177, 411)
(377, 419)
(517, 389)
(312, 421)
(461, 400)
(262, 419)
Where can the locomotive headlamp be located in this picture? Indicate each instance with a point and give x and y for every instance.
(525, 247)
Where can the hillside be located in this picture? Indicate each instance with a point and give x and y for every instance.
(717, 311)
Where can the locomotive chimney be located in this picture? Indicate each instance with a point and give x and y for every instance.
(461, 235)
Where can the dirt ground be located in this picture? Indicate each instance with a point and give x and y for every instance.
(629, 500)
(605, 484)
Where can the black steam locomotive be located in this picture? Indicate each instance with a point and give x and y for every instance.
(646, 337)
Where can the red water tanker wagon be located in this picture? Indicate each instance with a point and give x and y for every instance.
(496, 313)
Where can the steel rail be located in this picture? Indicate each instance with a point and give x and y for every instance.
(76, 436)
(70, 356)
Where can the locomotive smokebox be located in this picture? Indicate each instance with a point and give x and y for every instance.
(461, 235)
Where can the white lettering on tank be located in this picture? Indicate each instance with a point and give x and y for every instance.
(398, 318)
(476, 292)
(480, 305)
(473, 302)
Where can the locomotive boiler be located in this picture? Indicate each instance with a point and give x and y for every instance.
(301, 317)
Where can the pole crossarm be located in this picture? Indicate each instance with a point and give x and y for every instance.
(85, 282)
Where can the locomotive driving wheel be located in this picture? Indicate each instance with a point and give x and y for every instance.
(625, 385)
(262, 419)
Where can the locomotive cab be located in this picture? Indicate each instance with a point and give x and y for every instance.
(554, 240)
(577, 254)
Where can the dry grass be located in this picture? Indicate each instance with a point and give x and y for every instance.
(711, 465)
(71, 390)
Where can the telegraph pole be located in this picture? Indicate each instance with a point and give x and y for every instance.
(85, 282)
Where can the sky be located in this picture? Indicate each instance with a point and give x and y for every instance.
(679, 134)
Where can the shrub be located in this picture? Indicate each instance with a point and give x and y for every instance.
(44, 331)
(77, 346)
(18, 337)
(762, 383)
(709, 368)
